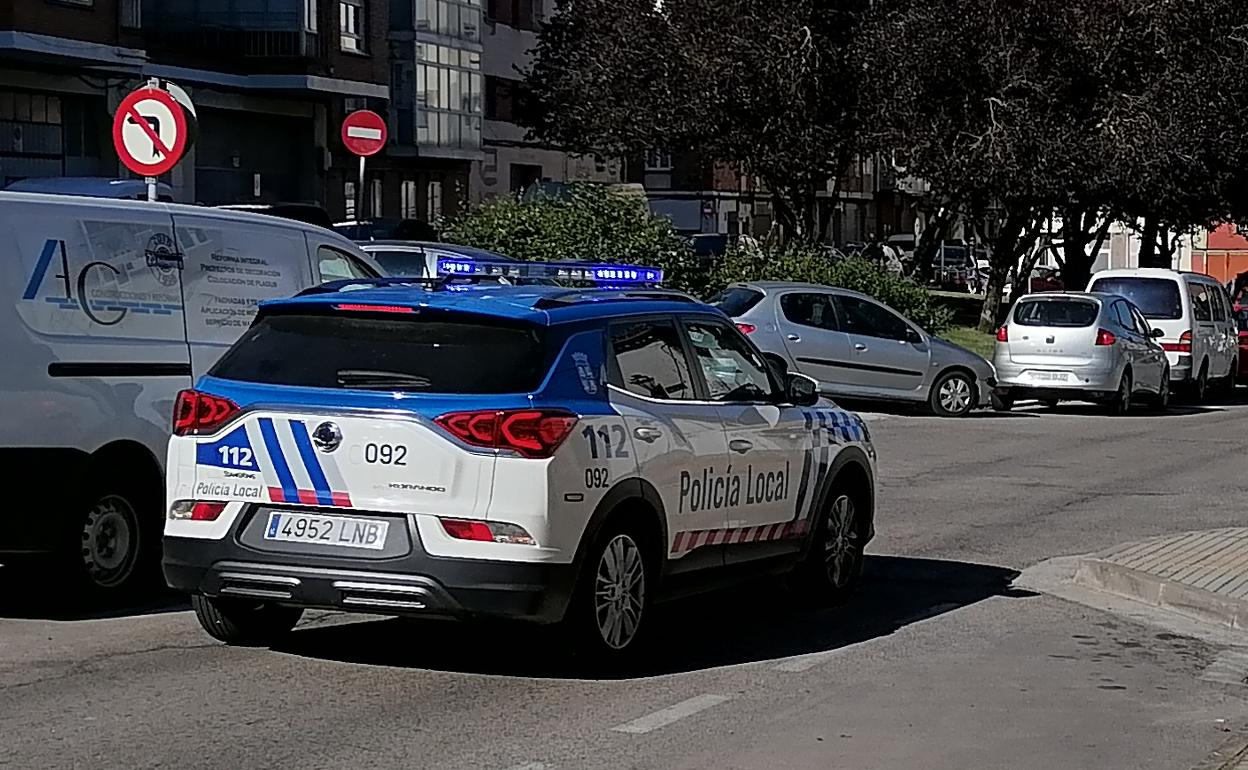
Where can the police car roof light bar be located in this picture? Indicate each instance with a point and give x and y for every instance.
(596, 272)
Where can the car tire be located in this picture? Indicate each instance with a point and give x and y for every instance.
(112, 546)
(1161, 401)
(1002, 403)
(1200, 385)
(832, 567)
(1120, 403)
(953, 395)
(609, 612)
(244, 622)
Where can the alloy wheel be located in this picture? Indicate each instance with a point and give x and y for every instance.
(619, 592)
(840, 544)
(955, 395)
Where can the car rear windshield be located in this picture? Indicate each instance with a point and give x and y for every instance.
(737, 300)
(408, 264)
(442, 353)
(1066, 313)
(1157, 298)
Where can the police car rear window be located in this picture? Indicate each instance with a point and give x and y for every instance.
(388, 351)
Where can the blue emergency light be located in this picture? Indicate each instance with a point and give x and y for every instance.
(594, 272)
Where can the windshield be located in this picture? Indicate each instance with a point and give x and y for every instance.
(442, 353)
(1064, 313)
(401, 263)
(1157, 298)
(737, 300)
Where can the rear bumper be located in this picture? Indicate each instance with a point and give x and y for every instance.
(415, 584)
(1081, 379)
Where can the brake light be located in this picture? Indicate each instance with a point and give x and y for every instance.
(196, 510)
(1003, 334)
(747, 328)
(375, 308)
(533, 433)
(1184, 345)
(1104, 338)
(196, 412)
(487, 531)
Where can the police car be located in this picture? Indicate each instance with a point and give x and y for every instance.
(536, 452)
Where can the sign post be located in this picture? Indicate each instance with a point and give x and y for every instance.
(151, 132)
(364, 134)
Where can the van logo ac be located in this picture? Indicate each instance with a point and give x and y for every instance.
(327, 437)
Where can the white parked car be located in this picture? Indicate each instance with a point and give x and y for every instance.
(1195, 316)
(1080, 347)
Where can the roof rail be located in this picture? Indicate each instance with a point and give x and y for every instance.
(580, 296)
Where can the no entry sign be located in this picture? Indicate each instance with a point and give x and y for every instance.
(364, 133)
(150, 131)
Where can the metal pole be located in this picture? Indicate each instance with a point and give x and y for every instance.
(151, 188)
(359, 196)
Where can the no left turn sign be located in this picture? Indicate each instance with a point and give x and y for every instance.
(150, 131)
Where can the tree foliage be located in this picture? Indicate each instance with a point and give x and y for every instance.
(767, 85)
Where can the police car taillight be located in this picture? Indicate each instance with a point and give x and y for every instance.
(487, 531)
(534, 433)
(196, 412)
(196, 510)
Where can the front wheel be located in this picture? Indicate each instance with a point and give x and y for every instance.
(244, 622)
(1161, 401)
(833, 566)
(953, 395)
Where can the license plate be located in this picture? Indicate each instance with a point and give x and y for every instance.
(315, 529)
(1050, 376)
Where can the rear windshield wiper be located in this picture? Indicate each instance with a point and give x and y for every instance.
(371, 379)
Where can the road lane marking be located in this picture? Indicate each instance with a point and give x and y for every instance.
(533, 766)
(667, 716)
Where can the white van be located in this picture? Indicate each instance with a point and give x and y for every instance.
(109, 308)
(1194, 312)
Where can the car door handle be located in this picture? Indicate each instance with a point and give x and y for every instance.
(740, 446)
(859, 347)
(793, 338)
(648, 435)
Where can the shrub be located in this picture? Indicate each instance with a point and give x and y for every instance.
(811, 266)
(592, 222)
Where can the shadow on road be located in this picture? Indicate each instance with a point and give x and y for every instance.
(901, 409)
(755, 624)
(25, 595)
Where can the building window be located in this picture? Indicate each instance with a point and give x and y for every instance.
(453, 18)
(658, 160)
(407, 199)
(375, 198)
(521, 14)
(348, 197)
(433, 211)
(448, 97)
(524, 176)
(130, 14)
(309, 15)
(352, 26)
(501, 98)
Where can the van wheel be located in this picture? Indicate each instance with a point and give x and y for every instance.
(608, 614)
(953, 395)
(1200, 386)
(244, 622)
(108, 548)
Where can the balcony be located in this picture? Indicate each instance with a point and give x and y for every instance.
(223, 44)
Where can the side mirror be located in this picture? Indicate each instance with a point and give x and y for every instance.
(777, 367)
(1157, 334)
(801, 390)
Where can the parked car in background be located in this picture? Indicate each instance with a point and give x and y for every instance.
(387, 229)
(308, 213)
(1080, 346)
(419, 259)
(1194, 313)
(1241, 322)
(904, 243)
(857, 347)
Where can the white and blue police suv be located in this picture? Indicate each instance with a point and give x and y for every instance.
(530, 452)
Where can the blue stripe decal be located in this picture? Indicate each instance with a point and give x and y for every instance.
(41, 267)
(319, 482)
(289, 490)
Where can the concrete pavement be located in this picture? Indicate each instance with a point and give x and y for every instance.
(941, 661)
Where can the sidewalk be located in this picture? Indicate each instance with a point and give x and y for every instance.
(1203, 575)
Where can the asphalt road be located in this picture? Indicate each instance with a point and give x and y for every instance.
(937, 663)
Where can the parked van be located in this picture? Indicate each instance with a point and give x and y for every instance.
(108, 309)
(1194, 313)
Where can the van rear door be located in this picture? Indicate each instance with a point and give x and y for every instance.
(231, 264)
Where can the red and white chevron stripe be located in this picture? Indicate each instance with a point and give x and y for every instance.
(687, 541)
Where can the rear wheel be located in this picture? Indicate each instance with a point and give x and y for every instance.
(244, 622)
(608, 613)
(111, 547)
(953, 395)
(1200, 386)
(1161, 401)
(1120, 403)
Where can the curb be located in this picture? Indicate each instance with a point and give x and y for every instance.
(1228, 756)
(1149, 589)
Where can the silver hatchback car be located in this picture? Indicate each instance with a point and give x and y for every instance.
(1080, 346)
(857, 347)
